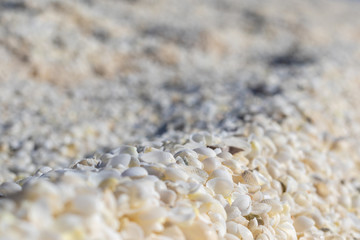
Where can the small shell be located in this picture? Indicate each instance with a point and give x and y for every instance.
(225, 155)
(213, 206)
(8, 188)
(206, 152)
(260, 208)
(168, 197)
(123, 159)
(303, 223)
(158, 157)
(125, 149)
(221, 173)
(243, 202)
(210, 164)
(234, 165)
(135, 172)
(237, 145)
(198, 231)
(239, 230)
(249, 178)
(175, 174)
(276, 206)
(221, 186)
(196, 174)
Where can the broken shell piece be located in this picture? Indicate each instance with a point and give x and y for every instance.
(249, 178)
(303, 223)
(221, 186)
(158, 157)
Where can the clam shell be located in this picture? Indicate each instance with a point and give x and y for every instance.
(135, 172)
(123, 159)
(175, 174)
(243, 203)
(260, 208)
(158, 157)
(210, 164)
(303, 223)
(221, 186)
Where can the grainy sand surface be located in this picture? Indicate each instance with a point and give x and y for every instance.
(261, 88)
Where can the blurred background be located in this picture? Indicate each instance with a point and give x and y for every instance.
(86, 75)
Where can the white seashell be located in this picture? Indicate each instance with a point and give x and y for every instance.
(123, 159)
(85, 205)
(213, 206)
(219, 223)
(135, 172)
(181, 214)
(155, 169)
(221, 173)
(225, 155)
(8, 188)
(243, 203)
(198, 231)
(234, 165)
(237, 145)
(303, 223)
(260, 208)
(287, 230)
(276, 206)
(173, 232)
(134, 162)
(158, 157)
(239, 230)
(249, 178)
(168, 197)
(175, 174)
(208, 152)
(229, 236)
(196, 174)
(221, 186)
(210, 164)
(125, 149)
(186, 153)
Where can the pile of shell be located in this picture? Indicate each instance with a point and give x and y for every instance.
(258, 185)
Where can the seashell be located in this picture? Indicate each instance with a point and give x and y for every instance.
(234, 165)
(206, 152)
(168, 197)
(194, 163)
(135, 172)
(181, 214)
(125, 149)
(221, 173)
(196, 174)
(43, 170)
(239, 230)
(173, 232)
(85, 205)
(175, 174)
(256, 149)
(276, 206)
(229, 236)
(287, 230)
(132, 230)
(225, 155)
(134, 162)
(198, 231)
(243, 203)
(123, 159)
(8, 188)
(260, 208)
(219, 223)
(158, 157)
(249, 178)
(186, 154)
(210, 164)
(213, 206)
(221, 186)
(237, 145)
(303, 223)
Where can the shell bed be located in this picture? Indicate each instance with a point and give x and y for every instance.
(126, 120)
